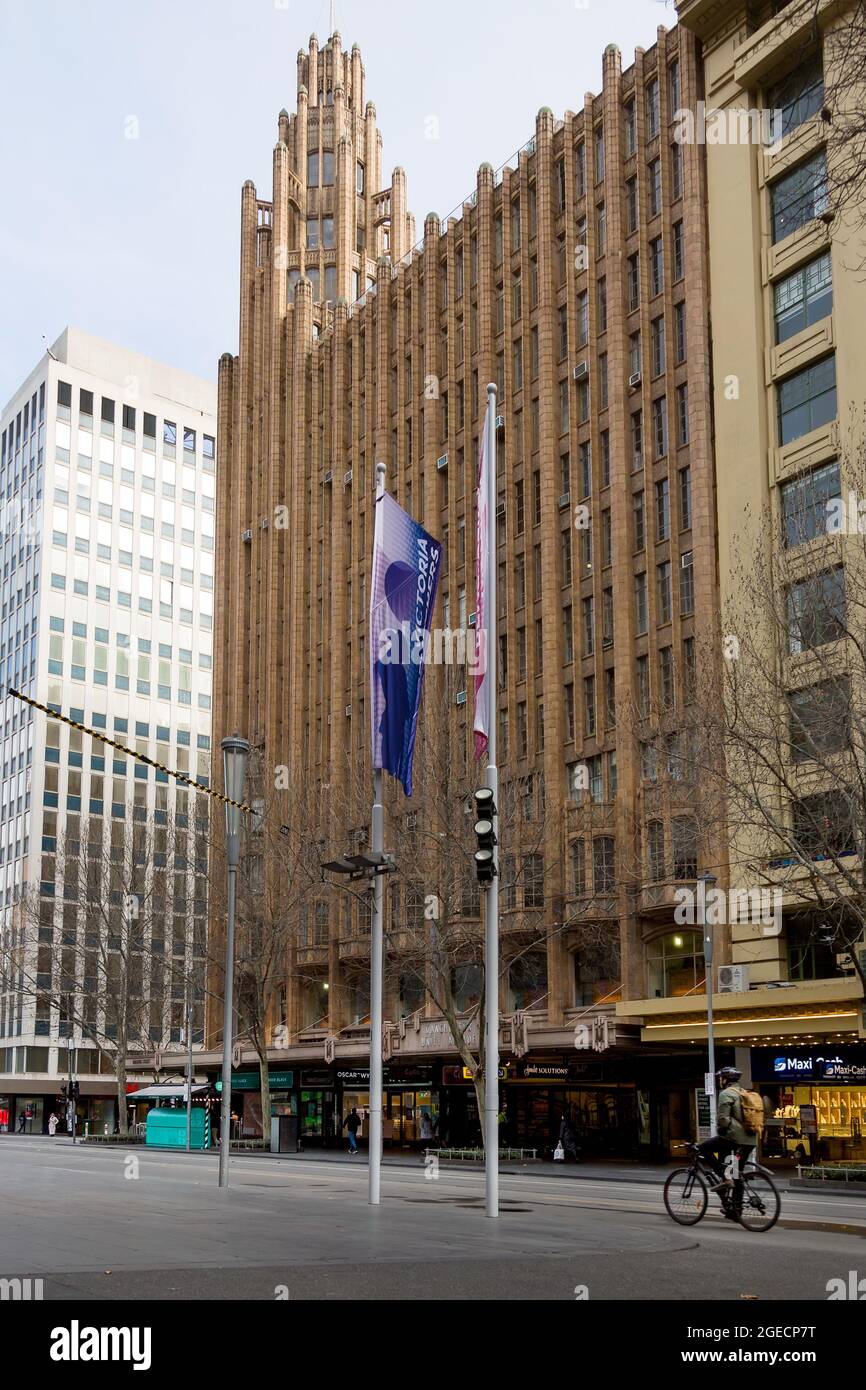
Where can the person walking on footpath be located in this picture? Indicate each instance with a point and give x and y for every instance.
(352, 1124)
(52, 1125)
(568, 1138)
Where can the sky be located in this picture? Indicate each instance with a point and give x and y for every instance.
(137, 239)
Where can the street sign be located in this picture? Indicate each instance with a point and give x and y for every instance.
(709, 1083)
(237, 1055)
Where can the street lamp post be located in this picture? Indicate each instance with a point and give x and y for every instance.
(706, 883)
(236, 752)
(189, 1061)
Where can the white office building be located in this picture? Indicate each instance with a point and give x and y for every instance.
(107, 486)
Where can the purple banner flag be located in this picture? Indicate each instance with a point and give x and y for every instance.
(406, 562)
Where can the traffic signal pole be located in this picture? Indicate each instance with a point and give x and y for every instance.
(491, 912)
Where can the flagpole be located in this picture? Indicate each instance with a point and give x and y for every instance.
(376, 967)
(491, 914)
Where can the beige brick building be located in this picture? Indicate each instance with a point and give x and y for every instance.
(577, 278)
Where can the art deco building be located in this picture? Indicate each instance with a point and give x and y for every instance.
(576, 278)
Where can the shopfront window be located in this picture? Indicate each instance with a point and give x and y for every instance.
(675, 965)
(809, 957)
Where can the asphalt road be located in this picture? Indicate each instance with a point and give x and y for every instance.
(129, 1224)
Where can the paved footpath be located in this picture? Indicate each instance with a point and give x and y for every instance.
(121, 1223)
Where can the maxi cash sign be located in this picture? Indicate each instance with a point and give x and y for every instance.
(831, 1067)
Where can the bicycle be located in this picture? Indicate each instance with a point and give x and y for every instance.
(687, 1193)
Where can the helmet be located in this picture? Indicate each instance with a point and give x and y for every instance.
(729, 1074)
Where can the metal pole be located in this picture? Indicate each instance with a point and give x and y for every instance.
(71, 1052)
(703, 882)
(376, 969)
(226, 1098)
(236, 751)
(491, 915)
(189, 1065)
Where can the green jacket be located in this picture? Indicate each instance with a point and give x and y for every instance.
(729, 1117)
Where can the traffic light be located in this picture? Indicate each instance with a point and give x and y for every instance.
(64, 1094)
(485, 810)
(76, 1089)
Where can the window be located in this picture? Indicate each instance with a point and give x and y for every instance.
(600, 229)
(578, 867)
(583, 318)
(606, 538)
(656, 850)
(643, 686)
(313, 169)
(604, 864)
(663, 509)
(666, 676)
(580, 170)
(799, 197)
(805, 504)
(658, 345)
(797, 97)
(359, 177)
(807, 400)
(679, 251)
(818, 717)
(803, 298)
(639, 521)
(652, 109)
(674, 85)
(602, 304)
(599, 154)
(631, 206)
(588, 625)
(589, 707)
(654, 187)
(604, 441)
(567, 638)
(685, 849)
(675, 965)
(602, 382)
(823, 824)
(657, 266)
(683, 414)
(660, 427)
(630, 129)
(685, 499)
(676, 172)
(327, 168)
(687, 583)
(816, 610)
(610, 683)
(637, 440)
(663, 586)
(640, 603)
(680, 331)
(633, 282)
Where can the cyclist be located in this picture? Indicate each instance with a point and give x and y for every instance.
(732, 1138)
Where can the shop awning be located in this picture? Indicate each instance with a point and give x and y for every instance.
(166, 1093)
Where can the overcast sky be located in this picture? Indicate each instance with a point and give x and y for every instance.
(136, 240)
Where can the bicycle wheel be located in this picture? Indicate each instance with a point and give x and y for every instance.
(761, 1202)
(686, 1196)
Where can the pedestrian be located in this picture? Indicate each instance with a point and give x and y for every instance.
(52, 1124)
(352, 1124)
(567, 1137)
(22, 1120)
(426, 1128)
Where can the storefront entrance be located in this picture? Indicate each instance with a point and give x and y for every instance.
(409, 1118)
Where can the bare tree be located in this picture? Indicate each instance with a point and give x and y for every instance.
(119, 966)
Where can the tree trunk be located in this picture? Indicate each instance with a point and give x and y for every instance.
(266, 1098)
(120, 1072)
